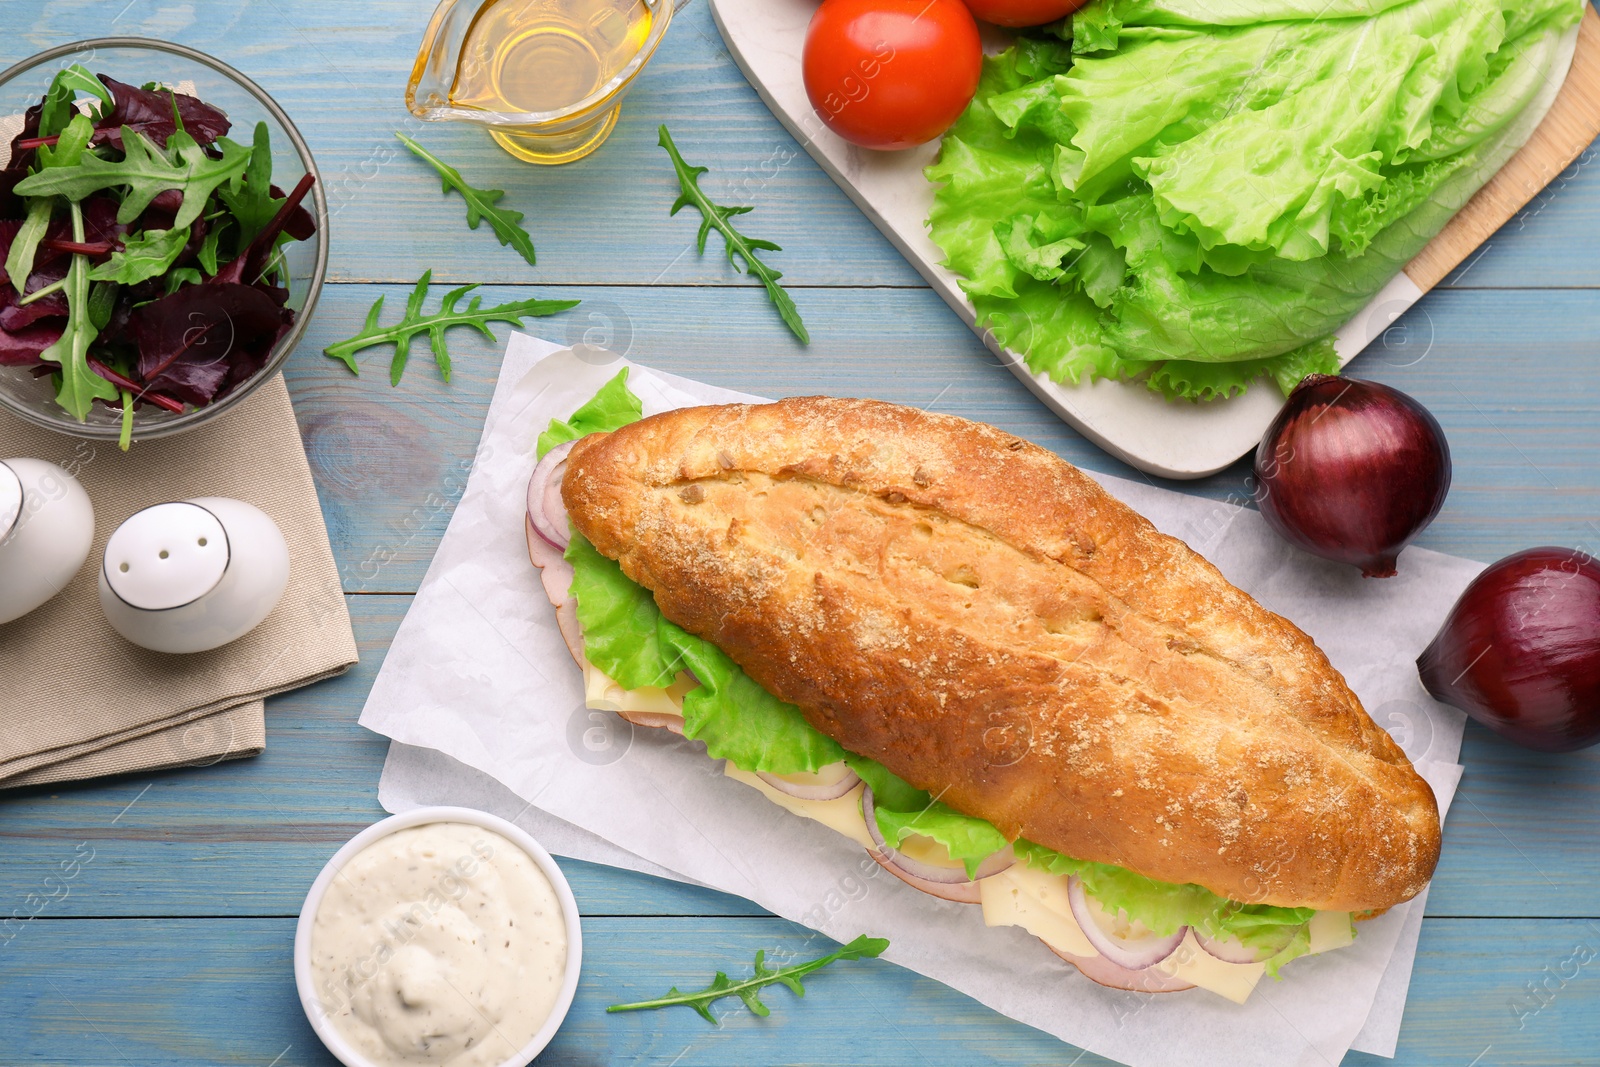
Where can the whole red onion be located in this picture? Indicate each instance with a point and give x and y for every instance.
(1351, 471)
(1520, 651)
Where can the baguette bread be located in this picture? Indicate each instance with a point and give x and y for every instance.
(984, 620)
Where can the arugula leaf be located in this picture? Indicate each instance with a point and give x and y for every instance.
(79, 79)
(145, 171)
(207, 253)
(248, 197)
(507, 224)
(749, 990)
(19, 261)
(55, 111)
(80, 386)
(612, 408)
(69, 147)
(414, 322)
(715, 216)
(181, 276)
(125, 439)
(102, 302)
(146, 255)
(69, 150)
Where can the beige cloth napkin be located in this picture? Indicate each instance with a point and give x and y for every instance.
(77, 700)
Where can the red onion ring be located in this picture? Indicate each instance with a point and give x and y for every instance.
(819, 791)
(1134, 954)
(1102, 971)
(1231, 950)
(947, 883)
(545, 510)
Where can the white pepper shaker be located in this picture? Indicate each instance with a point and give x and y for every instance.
(193, 575)
(46, 531)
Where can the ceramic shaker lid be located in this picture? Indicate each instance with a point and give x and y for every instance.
(166, 556)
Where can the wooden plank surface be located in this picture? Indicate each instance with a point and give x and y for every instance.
(1508, 373)
(232, 975)
(172, 945)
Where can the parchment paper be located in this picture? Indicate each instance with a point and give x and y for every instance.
(478, 671)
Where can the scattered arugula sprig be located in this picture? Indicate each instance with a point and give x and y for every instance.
(414, 322)
(716, 216)
(749, 990)
(507, 224)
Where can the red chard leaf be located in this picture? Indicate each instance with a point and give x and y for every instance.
(15, 317)
(22, 157)
(21, 349)
(299, 225)
(150, 113)
(247, 266)
(8, 233)
(204, 339)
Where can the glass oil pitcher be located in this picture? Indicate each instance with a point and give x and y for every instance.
(546, 77)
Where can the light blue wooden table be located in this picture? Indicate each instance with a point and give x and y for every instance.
(173, 947)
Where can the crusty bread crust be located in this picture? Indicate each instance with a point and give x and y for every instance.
(992, 626)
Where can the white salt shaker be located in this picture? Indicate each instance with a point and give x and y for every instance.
(193, 575)
(46, 531)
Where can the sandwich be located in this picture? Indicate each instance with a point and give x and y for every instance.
(952, 646)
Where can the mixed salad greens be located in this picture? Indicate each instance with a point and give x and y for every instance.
(626, 636)
(1200, 192)
(141, 248)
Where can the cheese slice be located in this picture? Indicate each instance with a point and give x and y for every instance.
(1022, 896)
(1019, 896)
(842, 814)
(1331, 930)
(604, 693)
(1191, 963)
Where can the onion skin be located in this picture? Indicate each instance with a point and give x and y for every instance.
(1520, 651)
(1351, 471)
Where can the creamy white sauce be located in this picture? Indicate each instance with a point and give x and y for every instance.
(439, 944)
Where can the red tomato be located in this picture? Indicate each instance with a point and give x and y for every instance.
(1023, 12)
(891, 73)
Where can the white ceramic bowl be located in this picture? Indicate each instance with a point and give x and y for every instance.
(303, 980)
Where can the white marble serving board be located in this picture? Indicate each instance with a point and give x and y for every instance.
(1171, 439)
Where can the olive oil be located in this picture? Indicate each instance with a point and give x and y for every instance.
(546, 55)
(546, 78)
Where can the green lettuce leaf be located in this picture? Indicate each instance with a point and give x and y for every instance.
(624, 633)
(1196, 184)
(1165, 907)
(612, 408)
(741, 722)
(902, 809)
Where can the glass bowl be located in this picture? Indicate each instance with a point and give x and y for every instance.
(137, 60)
